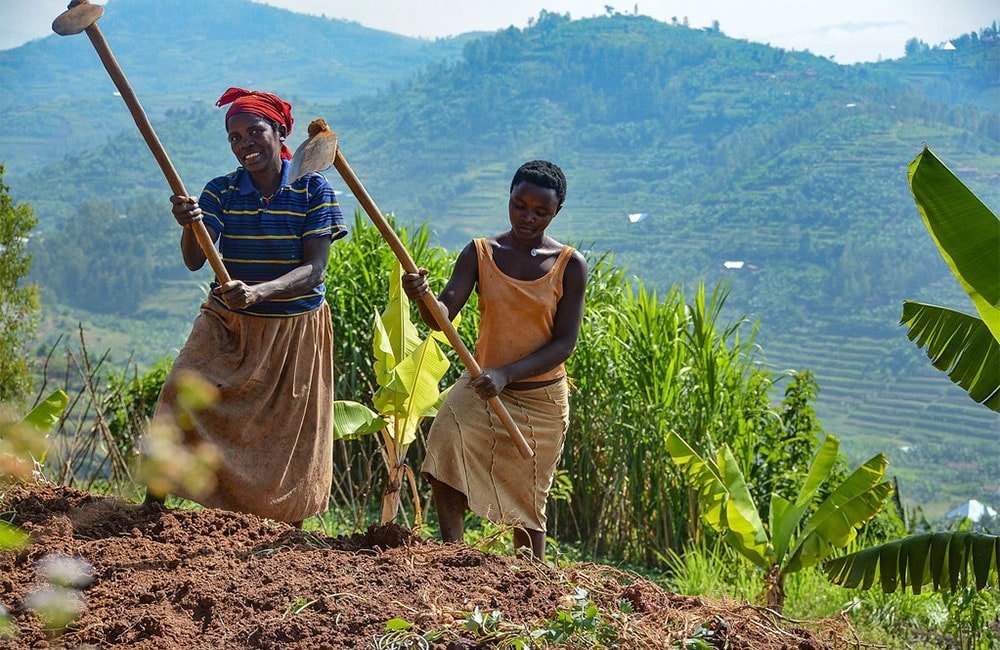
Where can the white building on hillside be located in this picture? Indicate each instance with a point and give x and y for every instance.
(972, 510)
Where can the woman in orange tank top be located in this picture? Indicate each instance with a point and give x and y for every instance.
(531, 294)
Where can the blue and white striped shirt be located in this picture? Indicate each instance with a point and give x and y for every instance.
(262, 240)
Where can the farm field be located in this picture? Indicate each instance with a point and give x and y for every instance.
(211, 579)
(942, 447)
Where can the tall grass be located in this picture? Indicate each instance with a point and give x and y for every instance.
(647, 364)
(713, 569)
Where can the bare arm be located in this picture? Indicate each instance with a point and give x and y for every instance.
(456, 293)
(565, 332)
(315, 253)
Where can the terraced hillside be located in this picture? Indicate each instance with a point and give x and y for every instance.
(941, 445)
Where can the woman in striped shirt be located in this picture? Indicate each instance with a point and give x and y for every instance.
(264, 339)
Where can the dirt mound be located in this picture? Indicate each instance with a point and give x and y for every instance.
(215, 579)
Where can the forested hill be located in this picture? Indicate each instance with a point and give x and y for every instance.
(57, 98)
(965, 69)
(657, 118)
(736, 151)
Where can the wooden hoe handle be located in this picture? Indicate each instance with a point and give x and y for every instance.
(80, 12)
(428, 299)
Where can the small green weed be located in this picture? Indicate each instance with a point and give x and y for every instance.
(298, 606)
(401, 635)
(582, 625)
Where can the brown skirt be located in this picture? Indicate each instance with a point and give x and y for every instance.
(469, 450)
(273, 421)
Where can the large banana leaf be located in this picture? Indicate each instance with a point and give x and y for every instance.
(946, 559)
(726, 502)
(745, 531)
(785, 515)
(421, 374)
(834, 524)
(966, 232)
(704, 477)
(402, 333)
(959, 345)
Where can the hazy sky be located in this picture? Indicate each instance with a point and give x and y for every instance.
(850, 30)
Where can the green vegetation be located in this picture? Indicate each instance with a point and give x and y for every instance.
(949, 559)
(647, 364)
(729, 509)
(969, 71)
(409, 371)
(18, 301)
(617, 487)
(113, 283)
(967, 234)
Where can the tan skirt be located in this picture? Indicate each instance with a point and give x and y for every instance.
(469, 450)
(273, 422)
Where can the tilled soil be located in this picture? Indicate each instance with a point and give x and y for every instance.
(213, 579)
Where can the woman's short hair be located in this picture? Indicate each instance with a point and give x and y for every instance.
(543, 174)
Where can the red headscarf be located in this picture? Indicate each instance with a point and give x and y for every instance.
(260, 103)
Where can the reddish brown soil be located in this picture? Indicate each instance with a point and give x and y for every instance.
(214, 579)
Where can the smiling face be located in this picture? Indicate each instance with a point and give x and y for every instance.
(255, 142)
(532, 208)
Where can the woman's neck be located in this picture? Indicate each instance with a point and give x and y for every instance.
(268, 181)
(526, 246)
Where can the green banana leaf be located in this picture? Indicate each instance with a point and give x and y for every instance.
(402, 333)
(420, 373)
(436, 407)
(966, 232)
(785, 515)
(385, 358)
(834, 524)
(45, 416)
(352, 420)
(725, 500)
(745, 531)
(704, 477)
(948, 559)
(958, 344)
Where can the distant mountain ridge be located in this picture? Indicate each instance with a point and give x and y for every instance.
(175, 52)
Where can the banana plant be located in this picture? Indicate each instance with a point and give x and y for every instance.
(408, 371)
(948, 559)
(967, 234)
(787, 543)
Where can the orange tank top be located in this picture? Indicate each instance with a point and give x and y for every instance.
(516, 316)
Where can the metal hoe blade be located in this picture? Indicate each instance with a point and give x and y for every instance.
(316, 153)
(79, 15)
